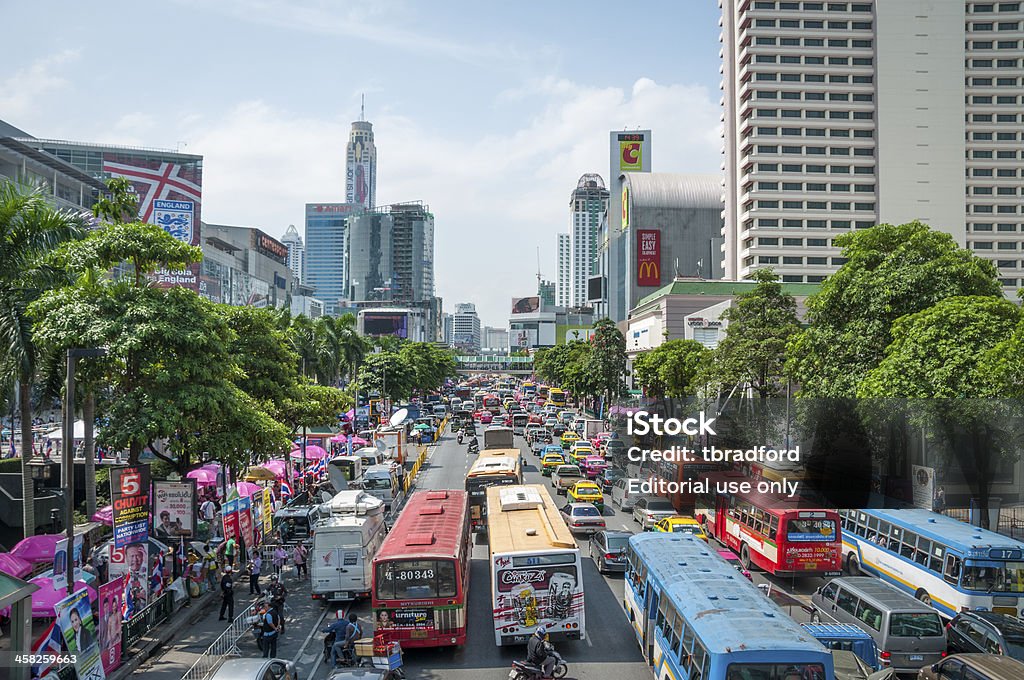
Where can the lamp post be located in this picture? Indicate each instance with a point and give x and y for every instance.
(74, 354)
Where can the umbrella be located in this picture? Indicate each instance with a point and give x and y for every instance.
(260, 474)
(46, 597)
(339, 438)
(278, 467)
(14, 565)
(248, 488)
(313, 452)
(360, 441)
(104, 515)
(422, 426)
(203, 476)
(38, 548)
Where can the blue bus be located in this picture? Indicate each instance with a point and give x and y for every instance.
(945, 563)
(697, 618)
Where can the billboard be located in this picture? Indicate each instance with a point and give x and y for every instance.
(525, 305)
(631, 151)
(648, 257)
(129, 495)
(174, 512)
(177, 218)
(625, 206)
(524, 337)
(386, 323)
(595, 288)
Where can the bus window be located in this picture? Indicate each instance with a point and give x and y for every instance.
(952, 571)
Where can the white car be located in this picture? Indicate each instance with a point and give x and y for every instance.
(256, 669)
(647, 510)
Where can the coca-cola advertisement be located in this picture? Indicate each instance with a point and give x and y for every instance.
(529, 596)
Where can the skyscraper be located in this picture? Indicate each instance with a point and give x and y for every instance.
(361, 165)
(546, 292)
(296, 252)
(391, 254)
(587, 206)
(563, 279)
(466, 327)
(326, 268)
(840, 116)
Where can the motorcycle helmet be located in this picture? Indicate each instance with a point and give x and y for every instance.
(542, 630)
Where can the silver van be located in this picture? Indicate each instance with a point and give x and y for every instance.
(908, 633)
(621, 497)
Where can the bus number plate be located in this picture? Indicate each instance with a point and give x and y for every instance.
(418, 634)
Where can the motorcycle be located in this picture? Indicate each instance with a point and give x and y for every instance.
(521, 670)
(474, 447)
(460, 437)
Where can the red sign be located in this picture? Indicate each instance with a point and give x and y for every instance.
(648, 257)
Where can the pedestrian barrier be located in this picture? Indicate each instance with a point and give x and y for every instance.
(411, 477)
(224, 646)
(158, 611)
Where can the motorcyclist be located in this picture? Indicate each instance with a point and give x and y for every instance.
(538, 651)
(278, 593)
(460, 436)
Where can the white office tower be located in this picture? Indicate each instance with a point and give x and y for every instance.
(361, 165)
(296, 252)
(563, 281)
(466, 327)
(587, 206)
(842, 115)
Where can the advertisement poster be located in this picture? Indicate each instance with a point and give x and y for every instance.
(111, 594)
(648, 257)
(74, 618)
(268, 511)
(550, 594)
(131, 562)
(245, 520)
(525, 305)
(129, 493)
(60, 562)
(924, 486)
(631, 153)
(174, 513)
(176, 218)
(229, 511)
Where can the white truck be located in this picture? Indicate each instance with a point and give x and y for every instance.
(591, 428)
(347, 534)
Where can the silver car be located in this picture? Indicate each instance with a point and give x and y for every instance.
(647, 510)
(608, 550)
(256, 669)
(621, 495)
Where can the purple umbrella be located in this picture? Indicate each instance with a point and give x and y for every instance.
(203, 476)
(36, 549)
(46, 597)
(13, 565)
(313, 452)
(104, 515)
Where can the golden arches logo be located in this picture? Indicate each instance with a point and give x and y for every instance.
(648, 271)
(631, 156)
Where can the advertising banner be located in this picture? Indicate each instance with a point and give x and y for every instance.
(924, 486)
(525, 305)
(174, 510)
(631, 153)
(245, 520)
(129, 494)
(111, 598)
(648, 257)
(229, 511)
(60, 562)
(625, 206)
(74, 618)
(132, 562)
(176, 218)
(268, 511)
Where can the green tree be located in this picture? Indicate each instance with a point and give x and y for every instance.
(891, 271)
(760, 325)
(672, 369)
(431, 365)
(389, 375)
(608, 359)
(30, 229)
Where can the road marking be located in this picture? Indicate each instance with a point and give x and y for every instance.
(320, 657)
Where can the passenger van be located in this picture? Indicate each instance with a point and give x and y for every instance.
(345, 539)
(846, 637)
(908, 633)
(381, 481)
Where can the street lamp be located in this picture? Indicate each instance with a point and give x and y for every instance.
(74, 354)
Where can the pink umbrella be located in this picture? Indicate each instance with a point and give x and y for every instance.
(46, 597)
(203, 476)
(339, 438)
(278, 467)
(104, 515)
(39, 548)
(13, 565)
(313, 452)
(360, 441)
(248, 488)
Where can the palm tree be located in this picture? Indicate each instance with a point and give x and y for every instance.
(30, 228)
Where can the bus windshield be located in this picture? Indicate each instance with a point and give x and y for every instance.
(776, 671)
(415, 579)
(1008, 577)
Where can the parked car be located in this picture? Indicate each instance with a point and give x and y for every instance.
(647, 510)
(608, 550)
(974, 667)
(986, 632)
(582, 518)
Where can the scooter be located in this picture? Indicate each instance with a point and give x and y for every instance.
(522, 670)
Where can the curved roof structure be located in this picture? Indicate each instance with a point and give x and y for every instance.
(591, 180)
(671, 190)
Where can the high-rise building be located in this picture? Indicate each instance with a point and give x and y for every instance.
(494, 339)
(546, 292)
(587, 206)
(296, 252)
(391, 254)
(447, 332)
(325, 265)
(466, 327)
(563, 280)
(361, 165)
(840, 116)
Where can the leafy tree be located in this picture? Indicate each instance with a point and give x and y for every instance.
(672, 369)
(389, 375)
(760, 324)
(608, 359)
(431, 365)
(30, 229)
(269, 365)
(891, 271)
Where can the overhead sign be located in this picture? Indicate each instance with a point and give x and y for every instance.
(648, 257)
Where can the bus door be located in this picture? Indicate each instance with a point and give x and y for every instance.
(651, 602)
(721, 512)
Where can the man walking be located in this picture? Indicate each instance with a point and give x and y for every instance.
(271, 628)
(229, 551)
(227, 594)
(255, 566)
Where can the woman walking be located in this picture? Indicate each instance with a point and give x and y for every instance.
(280, 556)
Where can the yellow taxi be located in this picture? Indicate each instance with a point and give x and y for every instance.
(577, 456)
(681, 525)
(569, 438)
(586, 492)
(549, 462)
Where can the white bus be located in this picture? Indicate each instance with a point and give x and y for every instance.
(536, 575)
(941, 561)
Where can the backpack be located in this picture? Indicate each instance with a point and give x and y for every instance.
(358, 630)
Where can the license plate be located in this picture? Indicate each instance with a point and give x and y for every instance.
(917, 657)
(810, 565)
(418, 634)
(341, 595)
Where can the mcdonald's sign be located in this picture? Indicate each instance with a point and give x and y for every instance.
(648, 257)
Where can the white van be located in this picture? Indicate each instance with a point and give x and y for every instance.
(381, 481)
(345, 539)
(343, 469)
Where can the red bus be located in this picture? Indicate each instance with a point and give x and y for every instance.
(492, 404)
(421, 572)
(770, 530)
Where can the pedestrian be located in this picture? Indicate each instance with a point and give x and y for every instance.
(210, 560)
(207, 511)
(227, 593)
(299, 557)
(271, 631)
(255, 566)
(279, 559)
(229, 551)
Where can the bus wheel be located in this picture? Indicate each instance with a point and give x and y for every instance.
(923, 595)
(852, 565)
(745, 557)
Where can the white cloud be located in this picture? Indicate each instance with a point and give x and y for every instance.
(21, 93)
(495, 197)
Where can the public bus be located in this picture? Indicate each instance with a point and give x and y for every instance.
(696, 617)
(536, 572)
(421, 572)
(771, 531)
(675, 472)
(492, 403)
(948, 564)
(528, 389)
(478, 398)
(556, 397)
(543, 391)
(500, 467)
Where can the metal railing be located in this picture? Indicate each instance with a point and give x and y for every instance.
(224, 646)
(156, 612)
(1011, 519)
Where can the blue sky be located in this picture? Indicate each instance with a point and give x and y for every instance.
(488, 113)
